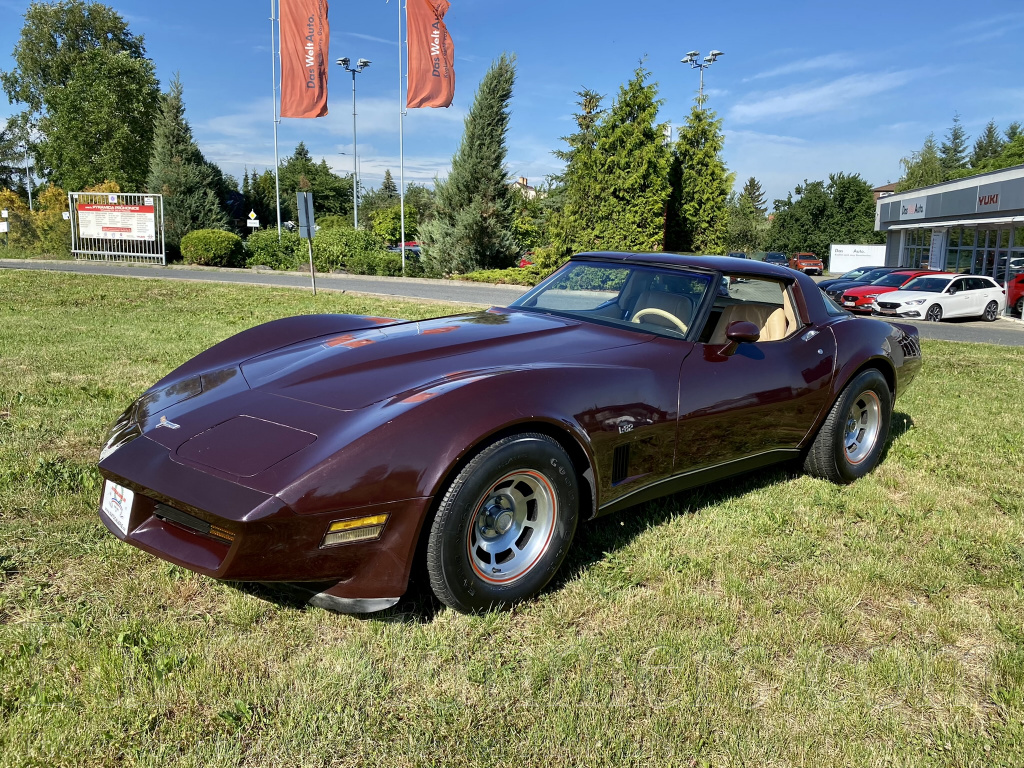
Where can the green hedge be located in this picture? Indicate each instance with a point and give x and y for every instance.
(347, 248)
(263, 249)
(513, 276)
(212, 248)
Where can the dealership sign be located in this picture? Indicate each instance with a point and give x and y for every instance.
(913, 209)
(117, 222)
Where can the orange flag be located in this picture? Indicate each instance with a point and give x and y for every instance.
(305, 39)
(431, 55)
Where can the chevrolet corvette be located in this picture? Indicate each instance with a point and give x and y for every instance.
(333, 451)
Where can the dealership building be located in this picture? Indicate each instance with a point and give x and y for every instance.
(973, 225)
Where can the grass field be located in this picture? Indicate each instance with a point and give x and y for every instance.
(770, 620)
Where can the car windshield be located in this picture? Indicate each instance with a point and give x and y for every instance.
(927, 284)
(854, 274)
(873, 275)
(892, 280)
(651, 299)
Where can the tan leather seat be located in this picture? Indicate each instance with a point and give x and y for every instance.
(775, 323)
(673, 303)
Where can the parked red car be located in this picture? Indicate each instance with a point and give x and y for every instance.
(807, 263)
(1015, 294)
(861, 298)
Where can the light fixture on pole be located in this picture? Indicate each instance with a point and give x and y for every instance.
(359, 67)
(693, 59)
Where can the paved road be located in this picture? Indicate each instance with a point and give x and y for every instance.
(1004, 332)
(414, 288)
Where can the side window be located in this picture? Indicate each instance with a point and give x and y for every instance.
(961, 285)
(978, 284)
(765, 303)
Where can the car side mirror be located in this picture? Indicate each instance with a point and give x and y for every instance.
(740, 332)
(951, 290)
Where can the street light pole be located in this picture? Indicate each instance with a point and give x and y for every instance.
(693, 59)
(359, 67)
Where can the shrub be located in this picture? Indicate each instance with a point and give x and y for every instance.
(513, 276)
(334, 221)
(263, 249)
(349, 249)
(384, 263)
(212, 248)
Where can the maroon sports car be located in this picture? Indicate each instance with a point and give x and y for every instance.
(328, 451)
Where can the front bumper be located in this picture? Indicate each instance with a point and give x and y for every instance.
(256, 536)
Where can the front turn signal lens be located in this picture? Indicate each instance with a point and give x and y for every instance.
(357, 529)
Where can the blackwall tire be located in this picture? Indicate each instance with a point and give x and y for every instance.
(991, 312)
(850, 442)
(934, 313)
(504, 525)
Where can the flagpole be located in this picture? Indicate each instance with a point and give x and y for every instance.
(277, 120)
(401, 133)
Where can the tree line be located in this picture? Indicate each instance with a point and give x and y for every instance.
(93, 114)
(954, 157)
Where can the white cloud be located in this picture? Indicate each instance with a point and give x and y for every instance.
(781, 162)
(843, 93)
(816, 64)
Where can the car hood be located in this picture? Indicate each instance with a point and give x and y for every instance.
(865, 290)
(354, 370)
(905, 296)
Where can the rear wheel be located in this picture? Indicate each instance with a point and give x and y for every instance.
(504, 525)
(850, 442)
(1020, 307)
(991, 312)
(934, 313)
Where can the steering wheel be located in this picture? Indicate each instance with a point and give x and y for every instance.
(662, 314)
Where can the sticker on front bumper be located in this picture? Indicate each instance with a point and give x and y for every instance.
(117, 505)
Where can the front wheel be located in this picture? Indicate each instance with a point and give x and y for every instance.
(1020, 307)
(934, 313)
(850, 442)
(991, 312)
(504, 525)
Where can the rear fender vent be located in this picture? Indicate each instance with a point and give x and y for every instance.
(620, 464)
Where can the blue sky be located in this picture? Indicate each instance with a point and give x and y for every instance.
(804, 89)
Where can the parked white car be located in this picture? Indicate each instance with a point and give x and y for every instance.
(936, 297)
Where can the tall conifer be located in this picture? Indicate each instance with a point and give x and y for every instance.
(179, 172)
(698, 218)
(472, 226)
(631, 186)
(573, 226)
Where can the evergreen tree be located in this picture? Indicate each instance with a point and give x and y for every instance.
(472, 224)
(573, 220)
(752, 189)
(698, 218)
(631, 186)
(1012, 131)
(923, 168)
(332, 194)
(388, 188)
(987, 147)
(953, 151)
(179, 172)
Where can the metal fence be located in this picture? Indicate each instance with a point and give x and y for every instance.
(117, 227)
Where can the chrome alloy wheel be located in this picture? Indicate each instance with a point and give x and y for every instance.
(512, 526)
(862, 427)
(991, 311)
(934, 313)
